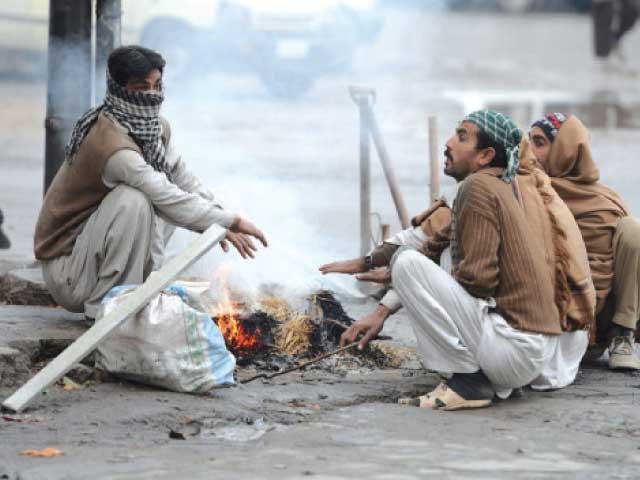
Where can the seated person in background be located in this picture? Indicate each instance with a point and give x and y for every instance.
(612, 237)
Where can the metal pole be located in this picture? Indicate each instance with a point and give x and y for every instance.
(434, 176)
(108, 37)
(69, 76)
(389, 173)
(365, 181)
(364, 97)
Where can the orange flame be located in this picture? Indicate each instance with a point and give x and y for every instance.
(226, 313)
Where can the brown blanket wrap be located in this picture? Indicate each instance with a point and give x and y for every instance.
(596, 208)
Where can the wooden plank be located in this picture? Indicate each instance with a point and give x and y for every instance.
(132, 305)
(387, 168)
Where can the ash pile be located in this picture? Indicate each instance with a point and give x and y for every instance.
(270, 334)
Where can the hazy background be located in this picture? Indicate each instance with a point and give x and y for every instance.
(291, 164)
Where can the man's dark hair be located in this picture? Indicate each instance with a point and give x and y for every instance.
(484, 141)
(133, 63)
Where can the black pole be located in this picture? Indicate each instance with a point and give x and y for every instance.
(108, 37)
(69, 76)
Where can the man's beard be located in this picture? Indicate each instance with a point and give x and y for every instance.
(449, 167)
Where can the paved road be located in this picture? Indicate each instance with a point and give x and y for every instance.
(292, 166)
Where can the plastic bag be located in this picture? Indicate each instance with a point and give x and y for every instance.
(170, 343)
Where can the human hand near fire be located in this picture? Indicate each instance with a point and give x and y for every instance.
(365, 329)
(240, 233)
(242, 243)
(377, 275)
(355, 265)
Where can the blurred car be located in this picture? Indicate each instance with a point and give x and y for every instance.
(287, 42)
(519, 6)
(23, 40)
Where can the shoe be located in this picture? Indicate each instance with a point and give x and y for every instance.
(424, 401)
(622, 355)
(444, 398)
(450, 401)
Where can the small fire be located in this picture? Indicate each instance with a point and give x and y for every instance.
(238, 339)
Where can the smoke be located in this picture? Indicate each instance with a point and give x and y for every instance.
(296, 249)
(286, 159)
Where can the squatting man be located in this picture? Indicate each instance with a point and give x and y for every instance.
(490, 316)
(121, 191)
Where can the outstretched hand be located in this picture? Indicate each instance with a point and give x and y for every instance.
(365, 329)
(242, 243)
(240, 233)
(355, 265)
(377, 275)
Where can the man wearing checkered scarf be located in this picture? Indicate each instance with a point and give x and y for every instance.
(491, 323)
(99, 226)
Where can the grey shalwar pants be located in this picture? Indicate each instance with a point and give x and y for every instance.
(120, 244)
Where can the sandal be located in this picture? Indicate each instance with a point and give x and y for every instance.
(424, 401)
(449, 400)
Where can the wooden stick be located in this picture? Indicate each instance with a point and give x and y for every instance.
(387, 168)
(88, 341)
(434, 176)
(363, 97)
(301, 366)
(385, 229)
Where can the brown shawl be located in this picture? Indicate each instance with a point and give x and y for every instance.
(565, 252)
(595, 207)
(434, 219)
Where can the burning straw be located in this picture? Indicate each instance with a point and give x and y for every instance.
(294, 331)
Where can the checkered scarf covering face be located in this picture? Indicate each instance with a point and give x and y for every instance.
(136, 111)
(502, 130)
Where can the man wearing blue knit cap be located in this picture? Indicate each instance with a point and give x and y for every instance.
(492, 323)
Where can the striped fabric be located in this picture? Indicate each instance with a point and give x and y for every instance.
(496, 254)
(138, 112)
(502, 130)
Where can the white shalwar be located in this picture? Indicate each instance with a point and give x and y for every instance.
(414, 238)
(457, 333)
(562, 367)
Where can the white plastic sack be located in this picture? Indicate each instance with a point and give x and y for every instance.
(168, 344)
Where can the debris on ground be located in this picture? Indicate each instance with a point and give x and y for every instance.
(22, 418)
(190, 428)
(25, 287)
(45, 453)
(69, 385)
